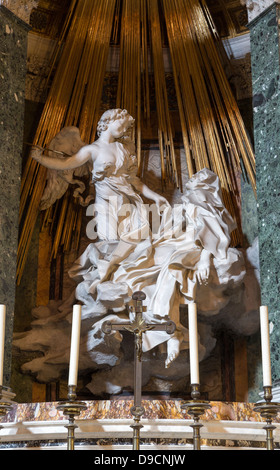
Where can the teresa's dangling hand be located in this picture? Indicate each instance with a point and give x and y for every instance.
(202, 271)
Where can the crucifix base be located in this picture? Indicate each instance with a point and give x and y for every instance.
(138, 327)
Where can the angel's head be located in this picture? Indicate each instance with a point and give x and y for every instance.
(117, 120)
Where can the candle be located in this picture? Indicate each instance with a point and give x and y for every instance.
(75, 345)
(2, 340)
(264, 323)
(193, 344)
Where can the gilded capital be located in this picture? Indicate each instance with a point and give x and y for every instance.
(21, 8)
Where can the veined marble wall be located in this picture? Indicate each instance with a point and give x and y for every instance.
(13, 53)
(266, 105)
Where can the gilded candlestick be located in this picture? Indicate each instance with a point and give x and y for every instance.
(196, 408)
(268, 410)
(71, 409)
(5, 407)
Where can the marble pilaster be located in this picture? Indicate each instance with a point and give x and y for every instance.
(265, 43)
(13, 50)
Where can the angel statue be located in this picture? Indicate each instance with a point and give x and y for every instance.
(112, 163)
(191, 248)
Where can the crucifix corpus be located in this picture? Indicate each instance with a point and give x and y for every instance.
(138, 326)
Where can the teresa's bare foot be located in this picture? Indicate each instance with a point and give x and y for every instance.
(173, 349)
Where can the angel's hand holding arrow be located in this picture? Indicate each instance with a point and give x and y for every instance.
(36, 153)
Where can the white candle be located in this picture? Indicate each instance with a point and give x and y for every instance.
(193, 344)
(75, 345)
(265, 342)
(2, 340)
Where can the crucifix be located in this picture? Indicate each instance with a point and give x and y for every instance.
(138, 326)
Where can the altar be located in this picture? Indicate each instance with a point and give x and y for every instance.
(105, 426)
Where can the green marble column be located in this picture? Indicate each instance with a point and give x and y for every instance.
(13, 54)
(265, 54)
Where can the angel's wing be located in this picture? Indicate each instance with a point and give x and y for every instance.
(66, 143)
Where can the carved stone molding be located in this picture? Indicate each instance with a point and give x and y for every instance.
(39, 55)
(20, 8)
(255, 8)
(240, 77)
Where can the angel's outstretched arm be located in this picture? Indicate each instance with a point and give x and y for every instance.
(147, 192)
(68, 163)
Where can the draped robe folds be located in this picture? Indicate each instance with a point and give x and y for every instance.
(163, 265)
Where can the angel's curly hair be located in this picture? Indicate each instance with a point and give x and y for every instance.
(112, 115)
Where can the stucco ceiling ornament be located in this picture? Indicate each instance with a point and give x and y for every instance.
(21, 8)
(255, 8)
